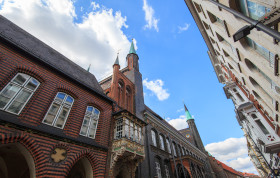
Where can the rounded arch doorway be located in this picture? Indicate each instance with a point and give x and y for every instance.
(16, 161)
(81, 169)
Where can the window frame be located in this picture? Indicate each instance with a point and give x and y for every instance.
(90, 121)
(154, 138)
(21, 88)
(161, 140)
(168, 145)
(59, 110)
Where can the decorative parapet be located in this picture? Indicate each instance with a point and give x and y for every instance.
(128, 145)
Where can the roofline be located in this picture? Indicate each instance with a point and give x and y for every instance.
(23, 49)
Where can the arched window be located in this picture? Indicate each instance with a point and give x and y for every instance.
(90, 122)
(16, 94)
(179, 150)
(174, 149)
(120, 92)
(128, 98)
(59, 110)
(154, 140)
(183, 151)
(161, 142)
(168, 146)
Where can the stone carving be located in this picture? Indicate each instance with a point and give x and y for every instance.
(58, 155)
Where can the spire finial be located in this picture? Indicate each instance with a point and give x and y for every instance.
(117, 59)
(88, 67)
(132, 49)
(188, 115)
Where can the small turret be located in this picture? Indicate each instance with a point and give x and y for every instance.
(132, 58)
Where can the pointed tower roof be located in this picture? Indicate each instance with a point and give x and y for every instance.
(132, 50)
(188, 115)
(117, 60)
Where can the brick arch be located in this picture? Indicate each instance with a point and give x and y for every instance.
(67, 90)
(88, 154)
(21, 69)
(26, 141)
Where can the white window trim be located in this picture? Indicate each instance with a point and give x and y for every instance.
(90, 121)
(58, 112)
(21, 88)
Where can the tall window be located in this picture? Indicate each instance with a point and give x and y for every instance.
(59, 110)
(17, 93)
(154, 140)
(260, 49)
(90, 122)
(125, 128)
(168, 146)
(174, 149)
(183, 151)
(128, 98)
(119, 129)
(120, 93)
(253, 9)
(167, 175)
(161, 142)
(158, 171)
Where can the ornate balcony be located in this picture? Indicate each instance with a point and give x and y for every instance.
(127, 148)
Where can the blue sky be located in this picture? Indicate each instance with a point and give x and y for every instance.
(172, 57)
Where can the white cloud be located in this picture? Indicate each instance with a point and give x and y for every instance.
(234, 153)
(95, 5)
(156, 88)
(184, 28)
(149, 16)
(180, 110)
(178, 123)
(95, 40)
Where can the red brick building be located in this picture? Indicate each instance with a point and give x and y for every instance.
(55, 120)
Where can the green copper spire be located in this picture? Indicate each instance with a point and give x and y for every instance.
(132, 50)
(188, 115)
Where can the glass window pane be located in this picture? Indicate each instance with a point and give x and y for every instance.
(89, 108)
(61, 96)
(84, 130)
(21, 78)
(7, 94)
(93, 124)
(69, 100)
(62, 117)
(51, 114)
(32, 84)
(86, 121)
(91, 133)
(19, 101)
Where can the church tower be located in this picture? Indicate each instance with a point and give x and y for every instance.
(196, 137)
(132, 58)
(136, 77)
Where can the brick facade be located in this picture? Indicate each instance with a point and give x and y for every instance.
(39, 139)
